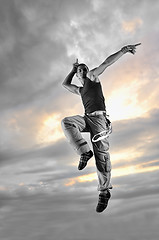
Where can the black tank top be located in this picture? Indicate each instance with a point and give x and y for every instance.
(92, 96)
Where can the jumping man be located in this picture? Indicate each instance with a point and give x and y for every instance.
(94, 121)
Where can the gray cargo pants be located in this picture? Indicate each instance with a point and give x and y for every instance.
(74, 126)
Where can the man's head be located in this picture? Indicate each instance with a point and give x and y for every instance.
(82, 71)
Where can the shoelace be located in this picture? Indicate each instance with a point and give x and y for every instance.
(103, 199)
(84, 158)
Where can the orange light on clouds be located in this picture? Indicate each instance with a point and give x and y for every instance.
(84, 178)
(87, 178)
(123, 103)
(133, 170)
(118, 172)
(126, 156)
(131, 26)
(70, 182)
(51, 129)
(2, 188)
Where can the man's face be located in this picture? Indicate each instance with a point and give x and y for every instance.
(81, 72)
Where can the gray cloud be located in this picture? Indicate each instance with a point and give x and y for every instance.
(135, 131)
(52, 151)
(69, 216)
(123, 137)
(39, 40)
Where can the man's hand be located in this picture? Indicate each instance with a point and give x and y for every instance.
(75, 65)
(130, 48)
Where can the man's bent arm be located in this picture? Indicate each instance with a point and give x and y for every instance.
(68, 79)
(67, 83)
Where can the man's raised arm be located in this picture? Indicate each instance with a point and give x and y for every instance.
(113, 58)
(67, 82)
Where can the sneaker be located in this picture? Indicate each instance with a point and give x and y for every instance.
(103, 201)
(84, 159)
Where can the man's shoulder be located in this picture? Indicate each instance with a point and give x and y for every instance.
(93, 77)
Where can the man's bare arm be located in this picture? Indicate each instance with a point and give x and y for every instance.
(112, 59)
(67, 82)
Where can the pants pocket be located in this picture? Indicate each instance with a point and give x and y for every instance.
(107, 162)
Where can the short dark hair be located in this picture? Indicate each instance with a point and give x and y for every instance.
(83, 65)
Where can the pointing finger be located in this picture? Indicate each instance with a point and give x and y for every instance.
(137, 44)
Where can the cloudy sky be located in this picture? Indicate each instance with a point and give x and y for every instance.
(42, 194)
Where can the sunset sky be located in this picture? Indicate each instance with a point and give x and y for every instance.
(43, 196)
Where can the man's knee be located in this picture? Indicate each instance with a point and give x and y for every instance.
(66, 122)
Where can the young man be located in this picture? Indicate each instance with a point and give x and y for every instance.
(94, 121)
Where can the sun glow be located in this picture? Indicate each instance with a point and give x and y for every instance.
(123, 103)
(51, 129)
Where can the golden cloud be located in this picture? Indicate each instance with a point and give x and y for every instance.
(51, 129)
(117, 172)
(131, 26)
